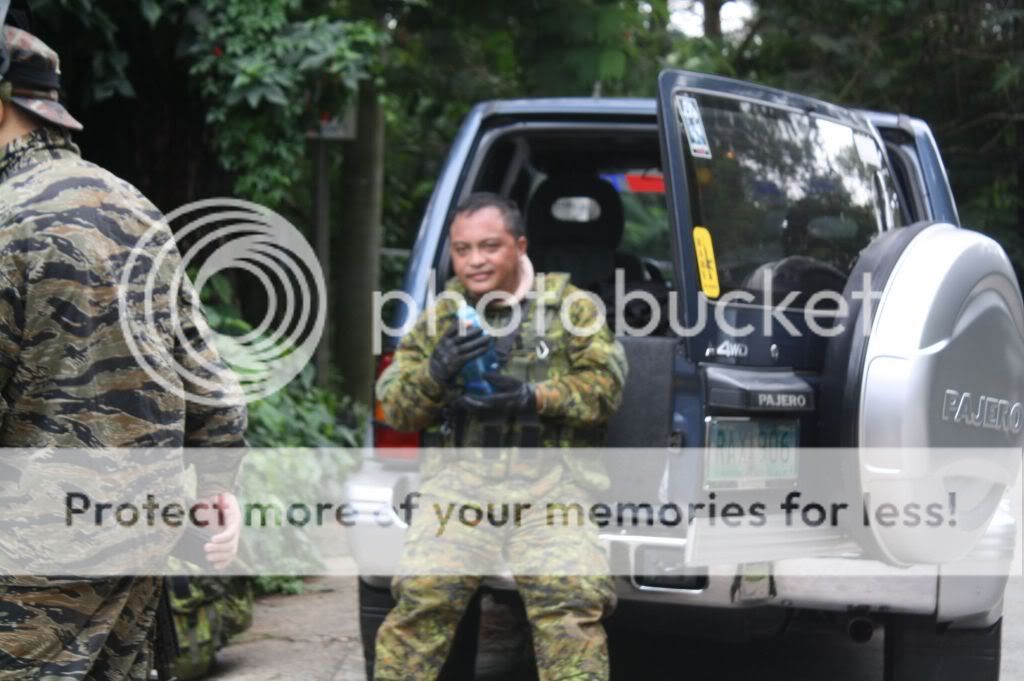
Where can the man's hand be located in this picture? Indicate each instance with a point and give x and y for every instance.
(454, 351)
(224, 518)
(511, 396)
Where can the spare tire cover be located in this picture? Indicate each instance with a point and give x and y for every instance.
(927, 381)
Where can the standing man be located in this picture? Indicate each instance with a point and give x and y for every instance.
(69, 380)
(562, 377)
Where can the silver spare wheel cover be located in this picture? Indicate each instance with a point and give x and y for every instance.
(942, 369)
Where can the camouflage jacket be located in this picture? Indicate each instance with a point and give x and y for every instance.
(581, 391)
(69, 380)
(67, 377)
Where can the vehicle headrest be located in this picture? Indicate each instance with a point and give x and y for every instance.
(604, 230)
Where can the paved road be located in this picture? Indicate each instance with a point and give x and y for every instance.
(315, 637)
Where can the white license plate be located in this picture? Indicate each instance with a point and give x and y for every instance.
(750, 454)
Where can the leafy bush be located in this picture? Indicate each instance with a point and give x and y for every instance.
(266, 71)
(302, 415)
(266, 75)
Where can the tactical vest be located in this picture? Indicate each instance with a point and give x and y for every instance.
(512, 446)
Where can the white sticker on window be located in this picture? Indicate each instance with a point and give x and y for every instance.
(689, 116)
(867, 150)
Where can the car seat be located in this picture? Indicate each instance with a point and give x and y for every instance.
(584, 249)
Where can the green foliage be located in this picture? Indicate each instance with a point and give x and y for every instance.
(498, 50)
(264, 585)
(646, 216)
(267, 70)
(301, 415)
(272, 474)
(706, 55)
(267, 76)
(108, 68)
(583, 47)
(392, 269)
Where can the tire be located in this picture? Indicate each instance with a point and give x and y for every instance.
(918, 649)
(374, 605)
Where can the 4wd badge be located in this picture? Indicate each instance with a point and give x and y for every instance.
(731, 349)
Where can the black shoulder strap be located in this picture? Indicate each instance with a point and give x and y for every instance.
(504, 345)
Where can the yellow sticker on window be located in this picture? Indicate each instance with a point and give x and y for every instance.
(706, 262)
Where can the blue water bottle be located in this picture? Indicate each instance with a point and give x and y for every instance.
(474, 370)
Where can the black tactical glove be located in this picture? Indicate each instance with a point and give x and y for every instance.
(511, 396)
(453, 351)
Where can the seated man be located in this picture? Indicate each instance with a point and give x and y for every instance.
(562, 377)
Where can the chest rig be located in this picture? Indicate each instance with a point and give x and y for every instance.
(530, 352)
(536, 351)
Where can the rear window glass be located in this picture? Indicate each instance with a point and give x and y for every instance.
(786, 195)
(646, 232)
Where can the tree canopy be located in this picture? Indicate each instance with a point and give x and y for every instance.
(194, 99)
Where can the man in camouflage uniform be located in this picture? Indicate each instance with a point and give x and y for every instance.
(557, 388)
(69, 380)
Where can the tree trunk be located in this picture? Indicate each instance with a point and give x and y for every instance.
(1020, 176)
(713, 18)
(322, 242)
(357, 248)
(1019, 261)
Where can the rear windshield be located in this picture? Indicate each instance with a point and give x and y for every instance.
(646, 233)
(787, 196)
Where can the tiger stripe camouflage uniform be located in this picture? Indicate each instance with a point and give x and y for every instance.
(579, 381)
(68, 380)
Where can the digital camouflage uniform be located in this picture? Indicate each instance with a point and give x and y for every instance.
(68, 380)
(561, 576)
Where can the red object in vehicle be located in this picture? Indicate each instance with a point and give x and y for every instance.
(646, 184)
(389, 443)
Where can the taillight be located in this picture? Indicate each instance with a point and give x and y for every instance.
(389, 443)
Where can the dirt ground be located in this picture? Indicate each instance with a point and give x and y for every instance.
(313, 637)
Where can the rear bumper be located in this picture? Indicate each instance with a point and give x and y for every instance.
(843, 581)
(815, 583)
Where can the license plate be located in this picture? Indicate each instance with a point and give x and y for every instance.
(750, 454)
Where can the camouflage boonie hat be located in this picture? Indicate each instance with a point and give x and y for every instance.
(33, 79)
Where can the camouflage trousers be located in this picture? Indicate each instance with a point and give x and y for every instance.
(560, 572)
(54, 629)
